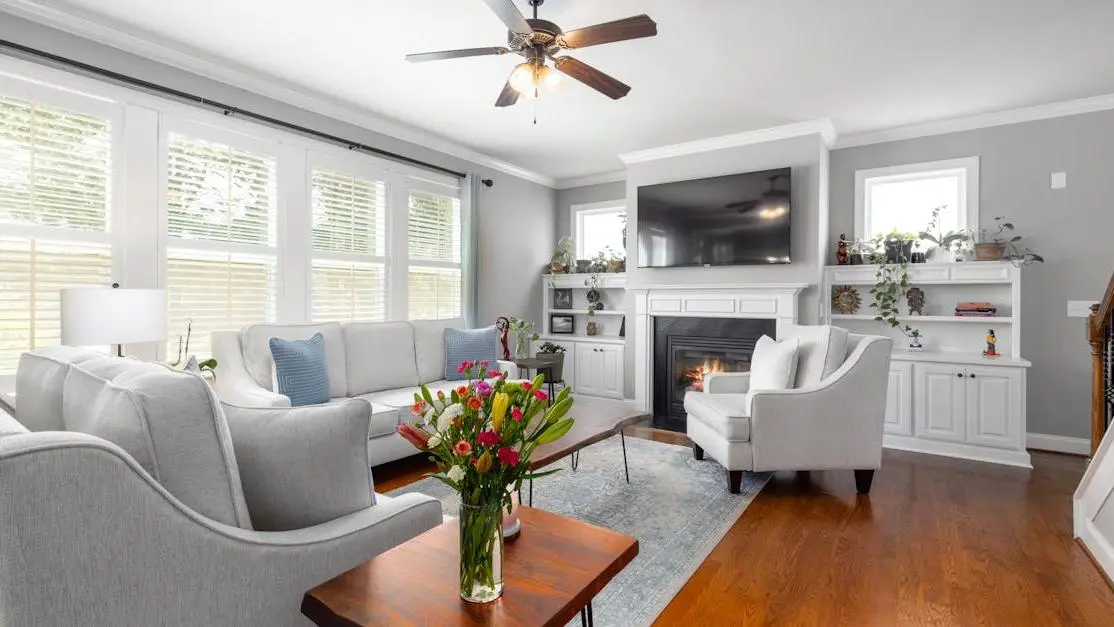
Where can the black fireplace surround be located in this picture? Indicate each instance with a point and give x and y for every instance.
(686, 348)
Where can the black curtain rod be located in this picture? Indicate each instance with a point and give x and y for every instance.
(225, 108)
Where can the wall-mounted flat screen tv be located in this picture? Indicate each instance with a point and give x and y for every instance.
(739, 219)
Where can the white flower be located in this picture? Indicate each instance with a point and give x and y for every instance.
(445, 420)
(428, 416)
(434, 440)
(456, 473)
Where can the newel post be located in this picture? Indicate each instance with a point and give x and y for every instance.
(1095, 338)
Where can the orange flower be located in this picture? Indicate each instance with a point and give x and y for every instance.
(475, 403)
(462, 391)
(418, 408)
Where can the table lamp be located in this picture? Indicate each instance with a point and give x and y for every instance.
(98, 316)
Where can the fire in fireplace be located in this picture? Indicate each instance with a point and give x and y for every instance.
(687, 349)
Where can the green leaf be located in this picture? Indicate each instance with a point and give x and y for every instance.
(427, 396)
(555, 431)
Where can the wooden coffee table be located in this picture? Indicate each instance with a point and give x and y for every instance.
(551, 572)
(596, 420)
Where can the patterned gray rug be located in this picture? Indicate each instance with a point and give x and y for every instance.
(677, 508)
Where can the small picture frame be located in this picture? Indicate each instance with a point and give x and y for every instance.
(562, 298)
(561, 324)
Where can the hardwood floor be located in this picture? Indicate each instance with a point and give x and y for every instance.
(938, 541)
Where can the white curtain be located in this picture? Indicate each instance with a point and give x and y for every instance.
(469, 209)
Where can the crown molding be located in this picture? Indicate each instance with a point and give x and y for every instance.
(822, 127)
(592, 179)
(981, 120)
(100, 30)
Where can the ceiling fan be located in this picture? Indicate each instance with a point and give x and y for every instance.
(540, 40)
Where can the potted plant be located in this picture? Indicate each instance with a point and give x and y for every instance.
(555, 355)
(1002, 242)
(945, 243)
(598, 264)
(891, 284)
(897, 246)
(861, 252)
(563, 257)
(615, 261)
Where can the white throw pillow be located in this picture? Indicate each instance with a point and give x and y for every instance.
(774, 364)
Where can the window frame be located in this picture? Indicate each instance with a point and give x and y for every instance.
(407, 186)
(966, 167)
(576, 212)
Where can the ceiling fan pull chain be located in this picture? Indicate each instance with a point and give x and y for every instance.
(535, 101)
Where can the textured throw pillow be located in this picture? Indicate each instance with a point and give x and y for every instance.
(300, 370)
(469, 345)
(302, 466)
(774, 364)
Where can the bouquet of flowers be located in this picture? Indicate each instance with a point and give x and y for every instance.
(481, 436)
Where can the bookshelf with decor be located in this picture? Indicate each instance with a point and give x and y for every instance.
(593, 362)
(946, 397)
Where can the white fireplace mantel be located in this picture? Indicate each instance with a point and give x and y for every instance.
(760, 300)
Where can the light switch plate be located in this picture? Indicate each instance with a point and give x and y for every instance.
(1080, 308)
(1059, 180)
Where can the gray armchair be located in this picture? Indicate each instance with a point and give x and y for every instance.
(96, 534)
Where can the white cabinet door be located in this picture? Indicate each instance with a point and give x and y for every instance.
(992, 406)
(611, 370)
(939, 401)
(588, 364)
(899, 400)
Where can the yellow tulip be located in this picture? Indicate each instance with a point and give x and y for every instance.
(499, 410)
(483, 463)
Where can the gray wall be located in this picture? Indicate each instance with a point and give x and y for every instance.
(808, 158)
(508, 255)
(566, 198)
(1070, 227)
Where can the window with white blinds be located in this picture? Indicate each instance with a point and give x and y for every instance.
(434, 284)
(221, 216)
(55, 173)
(349, 276)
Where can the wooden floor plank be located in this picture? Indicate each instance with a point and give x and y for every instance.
(938, 541)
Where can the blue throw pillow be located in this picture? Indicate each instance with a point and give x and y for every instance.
(300, 369)
(469, 345)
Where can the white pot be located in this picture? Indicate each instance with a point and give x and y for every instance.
(940, 255)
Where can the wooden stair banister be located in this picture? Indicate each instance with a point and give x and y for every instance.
(1100, 335)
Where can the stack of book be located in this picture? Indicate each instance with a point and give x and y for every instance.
(975, 310)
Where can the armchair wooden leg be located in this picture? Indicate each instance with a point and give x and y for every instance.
(734, 480)
(697, 452)
(863, 479)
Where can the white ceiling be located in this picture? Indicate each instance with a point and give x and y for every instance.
(716, 66)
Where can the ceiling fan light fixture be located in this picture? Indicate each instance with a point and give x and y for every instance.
(522, 78)
(549, 77)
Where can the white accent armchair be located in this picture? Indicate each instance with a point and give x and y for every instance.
(829, 421)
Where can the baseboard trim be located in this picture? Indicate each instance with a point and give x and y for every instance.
(957, 449)
(1098, 548)
(1058, 444)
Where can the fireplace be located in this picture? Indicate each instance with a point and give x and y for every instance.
(685, 349)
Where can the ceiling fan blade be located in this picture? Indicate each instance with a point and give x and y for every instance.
(508, 96)
(592, 77)
(620, 30)
(455, 54)
(511, 16)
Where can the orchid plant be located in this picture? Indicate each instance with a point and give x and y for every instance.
(481, 435)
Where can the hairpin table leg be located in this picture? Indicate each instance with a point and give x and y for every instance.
(623, 440)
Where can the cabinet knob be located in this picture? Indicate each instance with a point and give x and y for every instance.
(972, 375)
(959, 374)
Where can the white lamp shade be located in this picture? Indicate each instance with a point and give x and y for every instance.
(94, 316)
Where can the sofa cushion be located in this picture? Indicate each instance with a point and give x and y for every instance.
(303, 466)
(469, 345)
(384, 418)
(773, 366)
(39, 379)
(380, 356)
(170, 422)
(403, 398)
(300, 370)
(821, 351)
(726, 414)
(429, 347)
(255, 341)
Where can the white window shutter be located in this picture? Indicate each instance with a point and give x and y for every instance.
(54, 187)
(434, 247)
(221, 226)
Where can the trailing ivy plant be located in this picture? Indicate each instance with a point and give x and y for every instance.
(891, 281)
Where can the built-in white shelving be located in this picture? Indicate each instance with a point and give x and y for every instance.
(947, 319)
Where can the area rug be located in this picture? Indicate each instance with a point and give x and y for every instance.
(678, 509)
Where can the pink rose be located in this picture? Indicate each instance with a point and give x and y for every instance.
(488, 438)
(540, 395)
(462, 448)
(508, 456)
(516, 413)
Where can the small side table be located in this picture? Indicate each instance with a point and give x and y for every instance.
(541, 366)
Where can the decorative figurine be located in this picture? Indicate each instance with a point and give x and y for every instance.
(842, 257)
(915, 298)
(991, 340)
(845, 299)
(503, 325)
